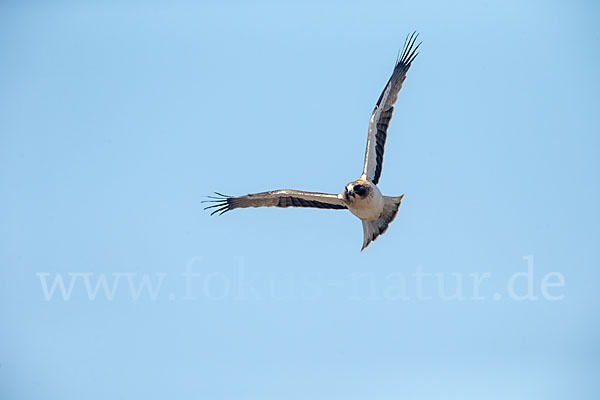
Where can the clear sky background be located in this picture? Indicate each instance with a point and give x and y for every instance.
(117, 118)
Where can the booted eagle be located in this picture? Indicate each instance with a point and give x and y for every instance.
(362, 197)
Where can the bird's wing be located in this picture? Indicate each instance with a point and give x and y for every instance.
(382, 114)
(276, 198)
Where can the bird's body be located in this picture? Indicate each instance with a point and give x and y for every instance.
(361, 197)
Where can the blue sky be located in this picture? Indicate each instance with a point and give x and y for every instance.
(117, 118)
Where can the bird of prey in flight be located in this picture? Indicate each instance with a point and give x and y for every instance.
(361, 197)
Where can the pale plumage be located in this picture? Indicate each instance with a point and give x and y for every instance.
(362, 197)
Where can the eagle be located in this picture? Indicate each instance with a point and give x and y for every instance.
(361, 197)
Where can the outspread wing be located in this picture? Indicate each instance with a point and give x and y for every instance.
(276, 198)
(382, 114)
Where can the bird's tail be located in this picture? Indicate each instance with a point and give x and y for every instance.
(372, 229)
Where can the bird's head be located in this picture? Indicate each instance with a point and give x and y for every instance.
(356, 189)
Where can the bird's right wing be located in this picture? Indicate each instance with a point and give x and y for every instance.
(382, 114)
(276, 198)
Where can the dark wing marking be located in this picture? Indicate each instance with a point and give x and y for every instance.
(276, 198)
(382, 114)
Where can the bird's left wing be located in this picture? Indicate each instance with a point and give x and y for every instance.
(276, 198)
(382, 114)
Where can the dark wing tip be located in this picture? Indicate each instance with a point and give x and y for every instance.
(409, 51)
(221, 203)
